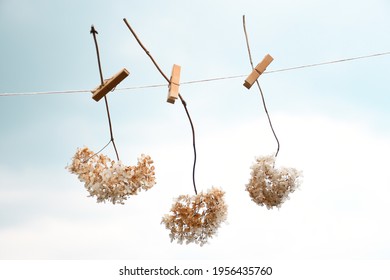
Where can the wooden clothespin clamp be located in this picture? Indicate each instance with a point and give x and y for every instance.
(173, 91)
(257, 71)
(109, 84)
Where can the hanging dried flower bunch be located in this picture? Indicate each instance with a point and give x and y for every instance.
(109, 180)
(270, 186)
(196, 218)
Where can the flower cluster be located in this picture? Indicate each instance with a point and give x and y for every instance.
(196, 218)
(109, 180)
(270, 186)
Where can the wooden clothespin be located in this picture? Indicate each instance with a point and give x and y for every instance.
(173, 91)
(257, 71)
(109, 84)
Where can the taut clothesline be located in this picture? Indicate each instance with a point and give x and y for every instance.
(202, 80)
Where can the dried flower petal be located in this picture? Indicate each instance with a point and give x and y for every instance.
(196, 218)
(110, 180)
(270, 186)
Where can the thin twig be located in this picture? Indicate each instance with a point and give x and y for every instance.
(247, 42)
(146, 51)
(258, 85)
(94, 32)
(181, 99)
(98, 152)
(110, 126)
(193, 141)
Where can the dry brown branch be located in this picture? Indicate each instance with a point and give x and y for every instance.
(258, 85)
(181, 98)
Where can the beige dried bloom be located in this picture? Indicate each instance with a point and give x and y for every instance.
(196, 218)
(109, 180)
(270, 186)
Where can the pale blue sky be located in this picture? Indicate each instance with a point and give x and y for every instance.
(332, 121)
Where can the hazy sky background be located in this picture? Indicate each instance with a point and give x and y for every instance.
(332, 121)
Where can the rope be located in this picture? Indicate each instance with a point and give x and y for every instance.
(201, 80)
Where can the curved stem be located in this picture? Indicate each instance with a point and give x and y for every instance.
(98, 152)
(193, 141)
(269, 119)
(181, 98)
(261, 92)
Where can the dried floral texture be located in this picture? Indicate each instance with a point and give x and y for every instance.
(108, 180)
(270, 186)
(196, 218)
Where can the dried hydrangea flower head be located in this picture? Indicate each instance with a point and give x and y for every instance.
(109, 180)
(270, 186)
(196, 218)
